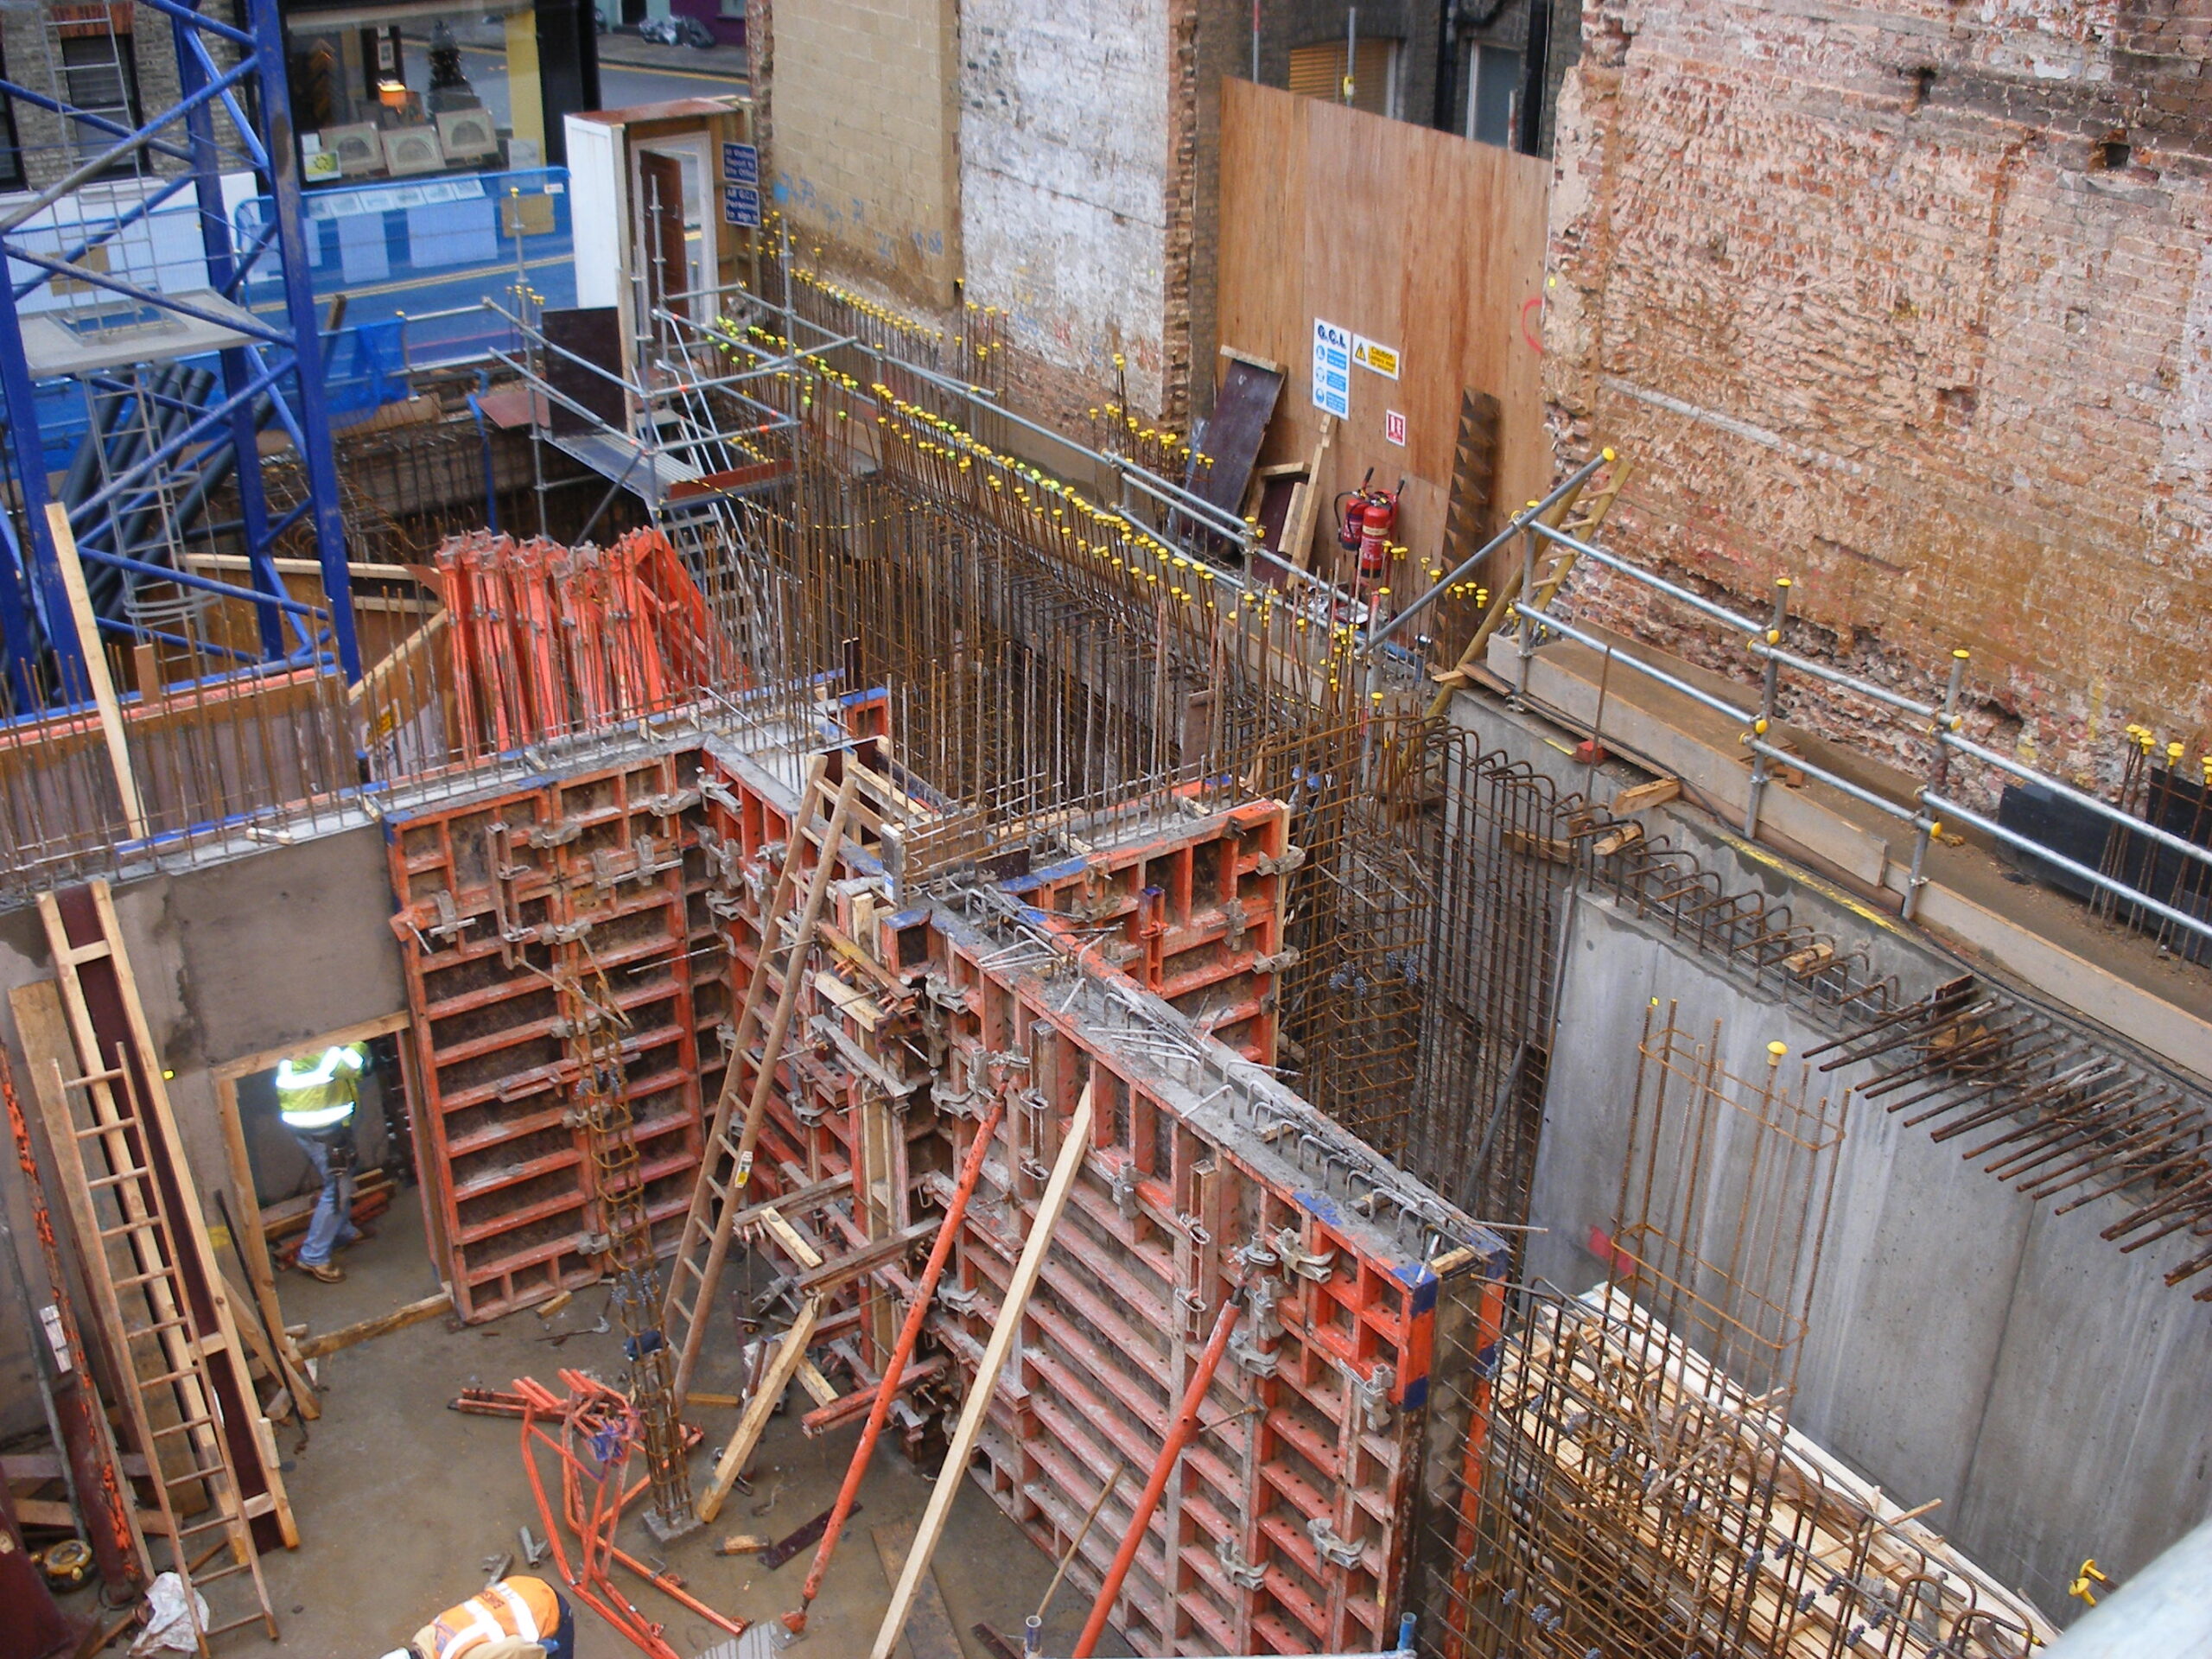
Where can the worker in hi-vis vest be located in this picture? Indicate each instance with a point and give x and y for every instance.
(520, 1618)
(315, 1095)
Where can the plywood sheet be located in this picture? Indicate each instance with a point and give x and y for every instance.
(585, 366)
(1233, 432)
(1414, 239)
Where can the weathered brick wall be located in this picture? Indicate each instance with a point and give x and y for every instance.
(1069, 135)
(1916, 307)
(866, 144)
(49, 143)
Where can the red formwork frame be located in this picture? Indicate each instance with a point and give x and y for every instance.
(599, 872)
(1289, 1521)
(1190, 909)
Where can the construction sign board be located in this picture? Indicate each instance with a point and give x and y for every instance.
(1333, 369)
(1373, 354)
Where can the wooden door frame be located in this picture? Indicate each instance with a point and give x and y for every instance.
(253, 1249)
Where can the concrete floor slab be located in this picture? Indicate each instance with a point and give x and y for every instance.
(399, 1499)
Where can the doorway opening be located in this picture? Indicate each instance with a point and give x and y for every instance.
(391, 1262)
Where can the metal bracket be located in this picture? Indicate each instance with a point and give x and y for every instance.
(1245, 1575)
(559, 833)
(1333, 1549)
(1251, 1358)
(1319, 1268)
(651, 864)
(561, 932)
(1266, 1292)
(960, 1300)
(1277, 963)
(758, 882)
(675, 801)
(1373, 1395)
(450, 922)
(1282, 863)
(1124, 1189)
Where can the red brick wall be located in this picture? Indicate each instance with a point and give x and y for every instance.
(1872, 305)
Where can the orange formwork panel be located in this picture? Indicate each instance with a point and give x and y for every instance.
(549, 641)
(601, 871)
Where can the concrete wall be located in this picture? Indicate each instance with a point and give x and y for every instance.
(866, 138)
(1965, 1343)
(1873, 301)
(235, 959)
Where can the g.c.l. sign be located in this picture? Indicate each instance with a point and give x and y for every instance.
(1333, 369)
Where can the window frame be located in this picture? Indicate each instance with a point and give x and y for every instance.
(1518, 62)
(83, 140)
(14, 174)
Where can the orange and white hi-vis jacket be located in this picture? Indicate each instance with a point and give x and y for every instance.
(505, 1621)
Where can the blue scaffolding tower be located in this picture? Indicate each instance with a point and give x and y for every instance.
(126, 338)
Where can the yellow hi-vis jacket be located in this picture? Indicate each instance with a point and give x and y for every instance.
(505, 1621)
(316, 1091)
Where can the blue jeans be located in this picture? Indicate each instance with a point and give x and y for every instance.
(331, 1224)
(561, 1644)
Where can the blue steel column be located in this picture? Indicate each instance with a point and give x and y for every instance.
(15, 619)
(237, 374)
(300, 315)
(43, 576)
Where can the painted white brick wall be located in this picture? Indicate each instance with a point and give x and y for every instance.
(1064, 161)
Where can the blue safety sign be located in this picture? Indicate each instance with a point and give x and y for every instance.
(1333, 369)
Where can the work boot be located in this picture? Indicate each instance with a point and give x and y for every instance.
(329, 1272)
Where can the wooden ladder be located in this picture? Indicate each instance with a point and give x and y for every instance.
(105, 1147)
(725, 1164)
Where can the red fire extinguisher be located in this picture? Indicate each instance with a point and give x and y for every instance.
(1365, 517)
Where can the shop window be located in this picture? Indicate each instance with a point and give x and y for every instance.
(388, 92)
